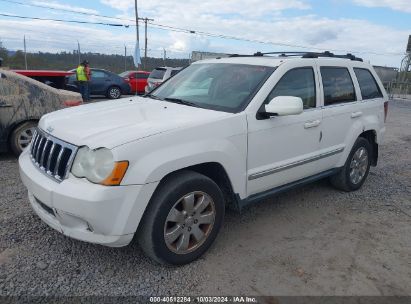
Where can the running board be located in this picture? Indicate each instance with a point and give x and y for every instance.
(255, 198)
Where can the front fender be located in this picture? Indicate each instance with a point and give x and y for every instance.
(152, 158)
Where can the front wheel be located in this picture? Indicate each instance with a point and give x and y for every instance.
(114, 93)
(182, 219)
(356, 168)
(21, 137)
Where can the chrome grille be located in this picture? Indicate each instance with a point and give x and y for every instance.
(51, 155)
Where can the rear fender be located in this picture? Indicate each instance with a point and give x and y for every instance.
(360, 126)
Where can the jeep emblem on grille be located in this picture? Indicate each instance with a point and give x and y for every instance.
(50, 129)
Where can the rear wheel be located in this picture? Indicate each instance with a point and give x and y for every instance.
(114, 93)
(21, 137)
(183, 218)
(356, 168)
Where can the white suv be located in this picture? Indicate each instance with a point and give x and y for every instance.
(230, 131)
(158, 76)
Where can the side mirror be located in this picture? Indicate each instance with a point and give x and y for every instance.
(284, 105)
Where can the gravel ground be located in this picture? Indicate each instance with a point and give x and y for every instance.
(310, 241)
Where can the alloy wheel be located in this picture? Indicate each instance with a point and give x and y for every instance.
(114, 93)
(358, 165)
(189, 222)
(24, 138)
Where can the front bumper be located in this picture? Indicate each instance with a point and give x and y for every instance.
(85, 211)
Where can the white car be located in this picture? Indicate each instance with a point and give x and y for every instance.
(231, 131)
(158, 76)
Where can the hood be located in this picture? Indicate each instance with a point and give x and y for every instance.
(112, 123)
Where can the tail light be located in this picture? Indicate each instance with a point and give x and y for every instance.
(72, 103)
(385, 110)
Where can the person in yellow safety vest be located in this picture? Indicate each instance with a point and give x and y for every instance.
(83, 78)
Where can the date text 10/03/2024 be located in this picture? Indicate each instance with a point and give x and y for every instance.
(204, 299)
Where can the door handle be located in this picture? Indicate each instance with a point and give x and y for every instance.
(312, 124)
(356, 114)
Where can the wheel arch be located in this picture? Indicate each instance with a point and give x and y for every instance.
(371, 136)
(216, 172)
(16, 124)
(369, 132)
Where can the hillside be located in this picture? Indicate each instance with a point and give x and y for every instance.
(66, 61)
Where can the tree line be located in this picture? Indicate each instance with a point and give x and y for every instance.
(69, 60)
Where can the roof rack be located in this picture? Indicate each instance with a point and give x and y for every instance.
(302, 55)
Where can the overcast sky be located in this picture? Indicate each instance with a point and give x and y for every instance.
(376, 30)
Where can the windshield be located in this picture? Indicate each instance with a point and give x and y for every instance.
(218, 86)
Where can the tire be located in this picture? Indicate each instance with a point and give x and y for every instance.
(346, 179)
(169, 201)
(21, 136)
(114, 92)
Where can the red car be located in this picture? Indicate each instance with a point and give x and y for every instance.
(137, 80)
(55, 79)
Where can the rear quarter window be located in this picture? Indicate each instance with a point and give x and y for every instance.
(368, 84)
(338, 85)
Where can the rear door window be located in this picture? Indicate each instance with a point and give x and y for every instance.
(338, 85)
(157, 73)
(368, 84)
(98, 74)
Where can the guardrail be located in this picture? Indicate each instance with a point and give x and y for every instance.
(399, 90)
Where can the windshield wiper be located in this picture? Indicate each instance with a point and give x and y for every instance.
(152, 96)
(181, 101)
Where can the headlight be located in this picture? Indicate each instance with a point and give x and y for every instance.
(98, 166)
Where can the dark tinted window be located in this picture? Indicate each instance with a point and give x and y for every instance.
(368, 85)
(98, 74)
(142, 75)
(157, 73)
(173, 72)
(297, 82)
(338, 85)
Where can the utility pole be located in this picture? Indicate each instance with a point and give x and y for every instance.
(78, 51)
(164, 56)
(137, 31)
(405, 63)
(125, 58)
(145, 40)
(25, 52)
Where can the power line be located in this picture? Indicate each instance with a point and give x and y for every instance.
(60, 9)
(179, 29)
(63, 20)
